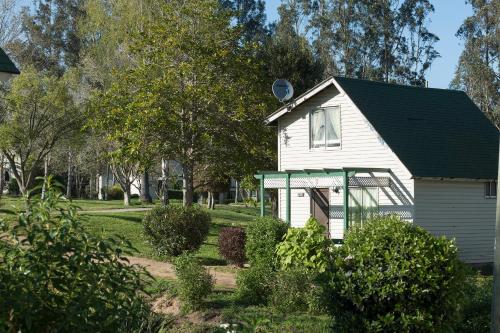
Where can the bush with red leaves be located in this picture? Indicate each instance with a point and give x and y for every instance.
(232, 245)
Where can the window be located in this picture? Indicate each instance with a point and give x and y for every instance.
(325, 127)
(363, 204)
(490, 190)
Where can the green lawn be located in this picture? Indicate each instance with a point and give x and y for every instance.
(129, 226)
(10, 205)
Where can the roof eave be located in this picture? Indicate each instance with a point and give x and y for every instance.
(271, 120)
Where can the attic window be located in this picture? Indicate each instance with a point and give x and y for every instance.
(490, 190)
(325, 127)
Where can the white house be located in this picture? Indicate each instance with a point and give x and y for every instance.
(429, 155)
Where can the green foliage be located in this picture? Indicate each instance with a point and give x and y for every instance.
(58, 278)
(195, 283)
(174, 229)
(393, 276)
(115, 192)
(296, 290)
(254, 284)
(476, 311)
(263, 235)
(305, 247)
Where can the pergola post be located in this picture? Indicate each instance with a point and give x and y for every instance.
(262, 196)
(288, 200)
(346, 200)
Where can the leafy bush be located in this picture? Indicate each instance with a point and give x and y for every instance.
(263, 234)
(232, 245)
(254, 284)
(115, 192)
(195, 283)
(58, 278)
(174, 229)
(476, 311)
(305, 247)
(297, 290)
(393, 276)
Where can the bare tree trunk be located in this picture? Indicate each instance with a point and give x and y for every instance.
(107, 184)
(2, 174)
(126, 195)
(145, 195)
(164, 182)
(68, 184)
(236, 190)
(45, 175)
(90, 187)
(187, 184)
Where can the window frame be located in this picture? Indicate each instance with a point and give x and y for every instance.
(488, 192)
(364, 216)
(325, 146)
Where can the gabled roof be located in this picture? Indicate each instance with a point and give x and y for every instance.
(6, 65)
(436, 133)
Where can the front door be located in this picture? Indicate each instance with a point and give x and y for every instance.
(320, 207)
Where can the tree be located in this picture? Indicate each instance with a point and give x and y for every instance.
(288, 54)
(187, 86)
(10, 25)
(478, 69)
(36, 113)
(49, 35)
(250, 16)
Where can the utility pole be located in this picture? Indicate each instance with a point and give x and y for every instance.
(495, 304)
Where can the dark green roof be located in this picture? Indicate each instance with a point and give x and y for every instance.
(6, 65)
(434, 132)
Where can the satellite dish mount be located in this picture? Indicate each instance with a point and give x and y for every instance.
(283, 90)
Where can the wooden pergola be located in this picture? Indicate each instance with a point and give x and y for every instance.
(286, 179)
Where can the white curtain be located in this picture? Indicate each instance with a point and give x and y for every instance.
(318, 128)
(333, 126)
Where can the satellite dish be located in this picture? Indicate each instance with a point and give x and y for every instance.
(283, 90)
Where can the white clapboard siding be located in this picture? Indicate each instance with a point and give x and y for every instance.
(458, 209)
(361, 146)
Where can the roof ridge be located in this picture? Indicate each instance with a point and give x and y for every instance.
(398, 85)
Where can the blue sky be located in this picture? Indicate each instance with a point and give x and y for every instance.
(448, 16)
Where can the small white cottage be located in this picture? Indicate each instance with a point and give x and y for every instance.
(349, 148)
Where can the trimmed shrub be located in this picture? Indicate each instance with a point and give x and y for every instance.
(232, 245)
(263, 234)
(115, 192)
(296, 290)
(59, 278)
(393, 276)
(174, 229)
(305, 247)
(195, 283)
(255, 283)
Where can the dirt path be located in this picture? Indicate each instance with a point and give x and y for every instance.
(166, 270)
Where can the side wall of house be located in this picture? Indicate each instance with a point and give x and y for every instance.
(361, 146)
(458, 209)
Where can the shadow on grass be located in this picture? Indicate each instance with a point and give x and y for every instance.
(135, 219)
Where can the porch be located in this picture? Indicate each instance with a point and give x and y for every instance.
(338, 180)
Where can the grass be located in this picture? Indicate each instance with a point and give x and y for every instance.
(10, 205)
(128, 225)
